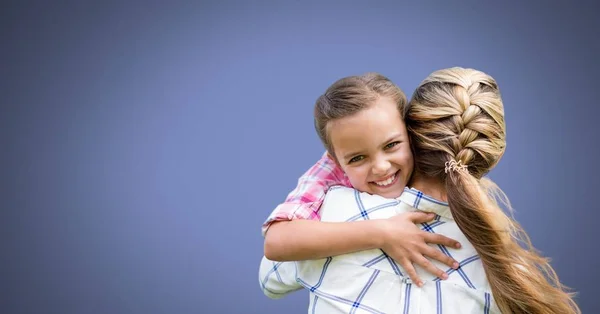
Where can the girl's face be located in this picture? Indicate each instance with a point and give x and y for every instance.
(373, 149)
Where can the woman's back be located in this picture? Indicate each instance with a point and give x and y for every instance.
(371, 282)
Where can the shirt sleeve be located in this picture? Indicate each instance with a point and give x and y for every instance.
(304, 202)
(277, 279)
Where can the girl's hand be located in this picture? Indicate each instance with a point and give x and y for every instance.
(407, 244)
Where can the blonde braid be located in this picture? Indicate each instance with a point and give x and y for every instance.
(456, 122)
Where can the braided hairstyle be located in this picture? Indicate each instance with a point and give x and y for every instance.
(456, 116)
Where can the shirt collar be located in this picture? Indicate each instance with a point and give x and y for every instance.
(426, 203)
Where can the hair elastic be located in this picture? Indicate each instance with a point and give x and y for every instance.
(454, 165)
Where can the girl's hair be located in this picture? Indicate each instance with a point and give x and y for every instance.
(456, 119)
(349, 95)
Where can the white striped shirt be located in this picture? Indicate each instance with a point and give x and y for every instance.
(370, 281)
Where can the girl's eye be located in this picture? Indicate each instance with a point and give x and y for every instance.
(392, 144)
(355, 159)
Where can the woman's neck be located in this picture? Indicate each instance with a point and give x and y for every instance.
(431, 186)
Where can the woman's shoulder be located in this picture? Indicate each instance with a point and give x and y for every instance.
(348, 204)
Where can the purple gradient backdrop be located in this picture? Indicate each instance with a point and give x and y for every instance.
(143, 144)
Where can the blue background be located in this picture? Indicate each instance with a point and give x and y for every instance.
(144, 144)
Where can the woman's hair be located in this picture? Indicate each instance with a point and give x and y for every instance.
(350, 95)
(456, 123)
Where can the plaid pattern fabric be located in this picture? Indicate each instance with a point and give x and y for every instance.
(371, 282)
(304, 202)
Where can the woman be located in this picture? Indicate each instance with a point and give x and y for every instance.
(456, 124)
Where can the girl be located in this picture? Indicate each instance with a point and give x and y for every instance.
(359, 120)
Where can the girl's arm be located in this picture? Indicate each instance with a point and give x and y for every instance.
(295, 231)
(398, 236)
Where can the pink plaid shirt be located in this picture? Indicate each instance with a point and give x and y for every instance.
(304, 202)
